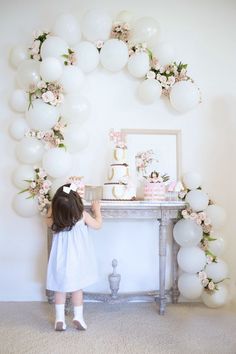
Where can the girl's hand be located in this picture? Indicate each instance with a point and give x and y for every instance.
(96, 207)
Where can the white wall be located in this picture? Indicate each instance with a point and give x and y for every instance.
(203, 33)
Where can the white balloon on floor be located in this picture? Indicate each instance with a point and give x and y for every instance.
(67, 27)
(22, 174)
(138, 64)
(187, 233)
(19, 101)
(57, 162)
(190, 286)
(24, 205)
(217, 271)
(145, 30)
(18, 128)
(76, 138)
(217, 298)
(197, 199)
(114, 55)
(191, 259)
(41, 115)
(28, 74)
(29, 150)
(87, 56)
(75, 109)
(184, 96)
(72, 79)
(96, 25)
(149, 91)
(217, 215)
(18, 54)
(54, 47)
(51, 69)
(164, 52)
(217, 246)
(192, 180)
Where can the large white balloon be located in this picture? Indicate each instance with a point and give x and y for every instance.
(190, 286)
(96, 25)
(217, 215)
(50, 69)
(21, 174)
(187, 233)
(114, 55)
(54, 47)
(184, 96)
(76, 138)
(25, 206)
(18, 128)
(217, 246)
(217, 298)
(217, 271)
(72, 79)
(29, 150)
(87, 56)
(197, 199)
(138, 64)
(75, 109)
(192, 180)
(19, 101)
(164, 52)
(145, 29)
(67, 27)
(149, 91)
(18, 54)
(57, 162)
(191, 259)
(41, 115)
(57, 183)
(28, 74)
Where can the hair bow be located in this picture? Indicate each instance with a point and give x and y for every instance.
(72, 187)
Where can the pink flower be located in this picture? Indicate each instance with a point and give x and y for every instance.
(41, 84)
(211, 285)
(151, 75)
(48, 96)
(35, 47)
(205, 282)
(202, 275)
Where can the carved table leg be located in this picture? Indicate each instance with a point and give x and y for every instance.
(175, 290)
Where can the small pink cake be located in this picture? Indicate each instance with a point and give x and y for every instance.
(154, 191)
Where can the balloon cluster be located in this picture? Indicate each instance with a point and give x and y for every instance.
(197, 233)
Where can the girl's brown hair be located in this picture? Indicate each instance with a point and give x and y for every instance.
(67, 209)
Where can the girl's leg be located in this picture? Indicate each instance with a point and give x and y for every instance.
(60, 299)
(77, 299)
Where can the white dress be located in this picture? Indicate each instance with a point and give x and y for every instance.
(72, 263)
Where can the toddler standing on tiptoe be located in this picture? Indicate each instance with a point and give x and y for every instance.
(71, 265)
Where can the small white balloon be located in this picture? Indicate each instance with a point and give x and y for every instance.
(197, 199)
(216, 298)
(76, 138)
(164, 52)
(217, 215)
(187, 233)
(42, 116)
(51, 69)
(72, 79)
(191, 259)
(54, 47)
(28, 74)
(145, 30)
(19, 101)
(184, 96)
(96, 25)
(18, 54)
(190, 286)
(57, 162)
(125, 16)
(138, 65)
(114, 55)
(87, 56)
(25, 206)
(149, 91)
(75, 109)
(217, 246)
(29, 150)
(18, 128)
(22, 174)
(192, 180)
(217, 271)
(67, 27)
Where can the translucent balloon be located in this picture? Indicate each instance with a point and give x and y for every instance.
(21, 174)
(72, 79)
(217, 271)
(197, 199)
(125, 16)
(18, 54)
(145, 30)
(19, 101)
(192, 180)
(96, 25)
(217, 246)
(187, 233)
(149, 91)
(138, 64)
(76, 138)
(42, 116)
(29, 150)
(191, 259)
(75, 109)
(190, 286)
(51, 69)
(57, 162)
(67, 27)
(164, 52)
(184, 96)
(217, 215)
(25, 206)
(87, 56)
(114, 55)
(54, 47)
(28, 73)
(217, 298)
(18, 128)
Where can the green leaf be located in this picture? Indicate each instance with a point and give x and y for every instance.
(23, 191)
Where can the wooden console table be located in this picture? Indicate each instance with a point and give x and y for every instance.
(166, 213)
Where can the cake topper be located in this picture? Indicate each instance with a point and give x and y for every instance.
(118, 137)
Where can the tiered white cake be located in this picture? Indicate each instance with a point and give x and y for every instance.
(119, 185)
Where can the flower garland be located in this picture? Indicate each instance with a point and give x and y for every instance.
(38, 38)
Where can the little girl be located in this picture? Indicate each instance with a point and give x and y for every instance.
(71, 265)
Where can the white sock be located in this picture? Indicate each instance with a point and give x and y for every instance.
(78, 315)
(60, 314)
